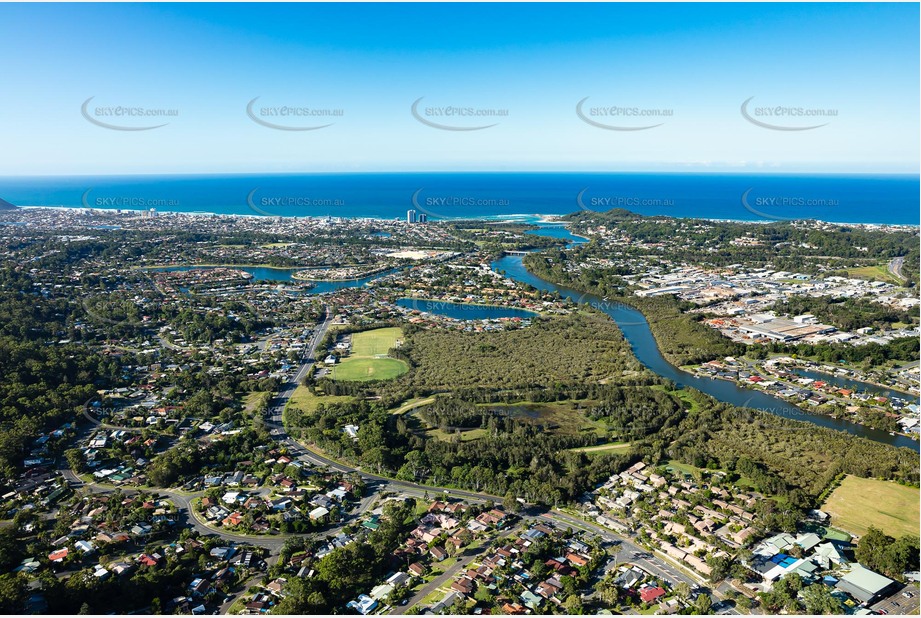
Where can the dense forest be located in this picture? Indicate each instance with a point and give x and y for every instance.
(44, 380)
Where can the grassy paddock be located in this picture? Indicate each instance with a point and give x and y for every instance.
(860, 503)
(304, 400)
(412, 404)
(368, 359)
(602, 449)
(375, 342)
(874, 273)
(366, 369)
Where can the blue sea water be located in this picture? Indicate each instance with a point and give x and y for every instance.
(889, 199)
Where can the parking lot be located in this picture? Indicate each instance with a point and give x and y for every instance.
(898, 603)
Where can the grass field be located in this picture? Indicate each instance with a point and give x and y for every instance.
(303, 399)
(602, 449)
(375, 342)
(365, 369)
(254, 398)
(859, 503)
(412, 404)
(368, 359)
(679, 466)
(466, 435)
(874, 273)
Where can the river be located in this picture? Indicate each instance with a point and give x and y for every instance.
(638, 334)
(267, 273)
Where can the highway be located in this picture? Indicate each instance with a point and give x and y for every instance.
(895, 268)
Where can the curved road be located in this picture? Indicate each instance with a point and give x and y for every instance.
(273, 543)
(895, 268)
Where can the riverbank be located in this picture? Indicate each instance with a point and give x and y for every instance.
(820, 397)
(681, 339)
(644, 345)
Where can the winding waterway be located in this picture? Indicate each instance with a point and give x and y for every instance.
(638, 334)
(464, 311)
(266, 273)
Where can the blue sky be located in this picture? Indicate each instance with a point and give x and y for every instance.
(694, 65)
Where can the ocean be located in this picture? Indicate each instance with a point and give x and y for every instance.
(882, 199)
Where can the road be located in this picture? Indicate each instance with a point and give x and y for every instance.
(627, 552)
(308, 360)
(469, 555)
(895, 268)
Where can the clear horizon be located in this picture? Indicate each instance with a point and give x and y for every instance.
(805, 88)
(710, 172)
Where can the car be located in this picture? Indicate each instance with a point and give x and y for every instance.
(404, 601)
(907, 595)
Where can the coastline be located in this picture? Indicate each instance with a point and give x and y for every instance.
(551, 218)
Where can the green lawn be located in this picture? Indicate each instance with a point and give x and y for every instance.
(254, 398)
(465, 435)
(678, 466)
(365, 369)
(562, 418)
(413, 403)
(375, 342)
(874, 273)
(368, 359)
(681, 467)
(858, 503)
(602, 449)
(304, 400)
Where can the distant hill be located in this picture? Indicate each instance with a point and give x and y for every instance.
(4, 205)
